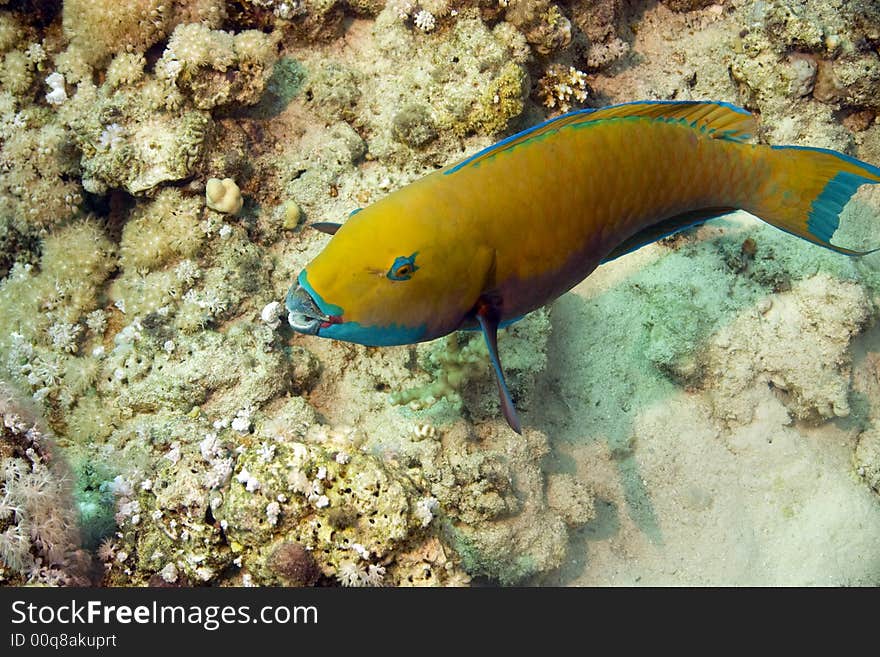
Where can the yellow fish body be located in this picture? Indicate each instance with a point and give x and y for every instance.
(511, 228)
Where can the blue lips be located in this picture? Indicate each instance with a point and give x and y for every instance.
(374, 336)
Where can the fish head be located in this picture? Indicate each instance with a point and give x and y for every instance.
(388, 279)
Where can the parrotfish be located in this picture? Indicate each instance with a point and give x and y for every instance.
(480, 243)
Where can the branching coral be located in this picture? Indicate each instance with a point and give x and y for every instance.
(455, 365)
(561, 87)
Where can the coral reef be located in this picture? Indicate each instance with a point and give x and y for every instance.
(43, 312)
(161, 163)
(215, 67)
(281, 508)
(458, 369)
(820, 310)
(39, 534)
(604, 26)
(38, 189)
(808, 50)
(542, 23)
(503, 530)
(98, 30)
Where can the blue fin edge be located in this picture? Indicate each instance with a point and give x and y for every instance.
(590, 110)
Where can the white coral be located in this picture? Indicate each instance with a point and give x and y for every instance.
(219, 474)
(273, 510)
(96, 321)
(350, 574)
(271, 314)
(561, 87)
(210, 447)
(266, 451)
(187, 272)
(58, 93)
(425, 510)
(210, 300)
(299, 482)
(424, 20)
(64, 336)
(242, 421)
(250, 482)
(374, 576)
(112, 136)
(173, 453)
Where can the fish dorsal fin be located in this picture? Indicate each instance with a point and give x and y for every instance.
(720, 120)
(663, 229)
(717, 119)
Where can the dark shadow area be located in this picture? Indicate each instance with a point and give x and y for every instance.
(627, 348)
(286, 81)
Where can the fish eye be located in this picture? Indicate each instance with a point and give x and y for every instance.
(403, 268)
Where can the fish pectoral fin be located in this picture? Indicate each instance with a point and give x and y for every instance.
(663, 229)
(489, 316)
(326, 227)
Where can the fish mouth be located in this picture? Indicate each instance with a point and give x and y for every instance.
(304, 315)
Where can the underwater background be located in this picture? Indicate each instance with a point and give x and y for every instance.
(705, 410)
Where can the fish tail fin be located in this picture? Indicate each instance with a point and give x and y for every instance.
(807, 189)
